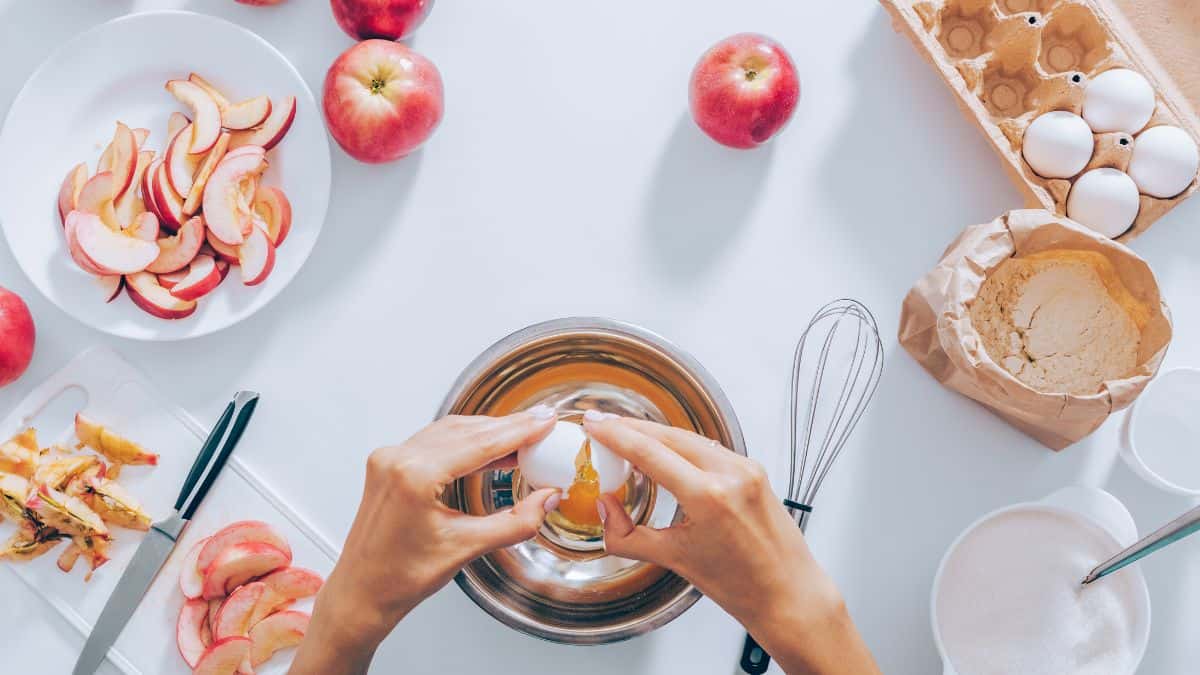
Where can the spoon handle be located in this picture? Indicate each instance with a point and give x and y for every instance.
(1164, 536)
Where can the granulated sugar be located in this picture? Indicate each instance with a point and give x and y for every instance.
(1010, 600)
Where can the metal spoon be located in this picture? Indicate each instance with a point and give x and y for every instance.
(1164, 536)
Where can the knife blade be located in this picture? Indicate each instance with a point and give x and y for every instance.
(158, 543)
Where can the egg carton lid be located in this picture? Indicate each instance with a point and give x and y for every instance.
(1165, 36)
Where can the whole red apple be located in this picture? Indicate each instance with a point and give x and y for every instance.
(382, 100)
(387, 19)
(16, 336)
(744, 90)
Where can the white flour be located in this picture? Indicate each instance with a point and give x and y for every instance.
(1010, 600)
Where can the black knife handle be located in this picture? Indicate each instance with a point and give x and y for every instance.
(215, 452)
(755, 659)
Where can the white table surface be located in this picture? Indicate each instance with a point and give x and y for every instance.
(568, 179)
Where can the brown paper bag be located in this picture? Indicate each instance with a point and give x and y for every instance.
(935, 326)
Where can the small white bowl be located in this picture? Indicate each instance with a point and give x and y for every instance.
(1140, 458)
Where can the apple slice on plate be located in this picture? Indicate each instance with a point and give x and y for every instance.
(190, 581)
(223, 251)
(240, 563)
(245, 115)
(171, 279)
(256, 256)
(70, 229)
(168, 202)
(148, 188)
(233, 618)
(178, 251)
(120, 159)
(96, 197)
(144, 227)
(214, 156)
(189, 631)
(274, 211)
(206, 116)
(275, 633)
(230, 193)
(272, 130)
(182, 165)
(110, 286)
(202, 277)
(175, 122)
(220, 98)
(68, 194)
(224, 657)
(129, 205)
(147, 294)
(113, 252)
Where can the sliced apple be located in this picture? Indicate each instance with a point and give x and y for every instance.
(216, 94)
(77, 254)
(96, 197)
(68, 194)
(222, 250)
(110, 286)
(272, 130)
(171, 279)
(230, 193)
(223, 268)
(120, 159)
(256, 257)
(275, 211)
(147, 294)
(113, 252)
(193, 616)
(175, 122)
(113, 447)
(141, 136)
(144, 227)
(224, 657)
(284, 587)
(241, 532)
(214, 606)
(130, 204)
(206, 116)
(147, 187)
(167, 201)
(178, 251)
(277, 632)
(240, 563)
(190, 580)
(246, 114)
(181, 164)
(233, 618)
(214, 156)
(202, 277)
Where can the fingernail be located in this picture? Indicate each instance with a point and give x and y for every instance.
(541, 412)
(602, 512)
(552, 503)
(594, 415)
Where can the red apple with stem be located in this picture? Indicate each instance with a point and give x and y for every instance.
(17, 336)
(382, 100)
(387, 19)
(744, 90)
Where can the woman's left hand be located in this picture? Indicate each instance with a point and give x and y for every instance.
(405, 543)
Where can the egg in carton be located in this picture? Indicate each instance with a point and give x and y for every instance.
(1011, 61)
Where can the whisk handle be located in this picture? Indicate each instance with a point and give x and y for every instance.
(755, 659)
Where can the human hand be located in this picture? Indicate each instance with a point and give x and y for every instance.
(405, 543)
(737, 544)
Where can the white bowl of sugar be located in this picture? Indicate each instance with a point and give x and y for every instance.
(1007, 597)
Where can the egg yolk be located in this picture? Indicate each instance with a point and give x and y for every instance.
(579, 506)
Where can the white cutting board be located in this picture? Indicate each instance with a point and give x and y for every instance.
(115, 394)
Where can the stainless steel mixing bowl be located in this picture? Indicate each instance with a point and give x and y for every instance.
(561, 586)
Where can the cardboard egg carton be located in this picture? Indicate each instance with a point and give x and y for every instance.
(1009, 61)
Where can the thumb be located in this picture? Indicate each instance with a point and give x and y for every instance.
(637, 542)
(506, 528)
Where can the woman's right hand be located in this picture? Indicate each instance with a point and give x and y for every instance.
(737, 544)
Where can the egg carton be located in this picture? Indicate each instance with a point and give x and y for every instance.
(1009, 61)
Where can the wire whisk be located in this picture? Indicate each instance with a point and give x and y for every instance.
(851, 335)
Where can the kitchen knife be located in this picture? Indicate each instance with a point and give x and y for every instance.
(156, 547)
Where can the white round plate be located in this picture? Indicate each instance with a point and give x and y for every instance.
(66, 113)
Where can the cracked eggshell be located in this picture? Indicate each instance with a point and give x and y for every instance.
(613, 469)
(1058, 144)
(551, 462)
(1164, 161)
(1118, 100)
(1105, 200)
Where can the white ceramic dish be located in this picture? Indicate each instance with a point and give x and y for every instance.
(1163, 459)
(66, 112)
(1092, 505)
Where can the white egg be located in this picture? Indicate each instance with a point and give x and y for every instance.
(1118, 100)
(551, 463)
(1058, 144)
(1106, 200)
(1164, 161)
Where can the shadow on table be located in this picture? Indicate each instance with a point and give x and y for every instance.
(904, 160)
(699, 200)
